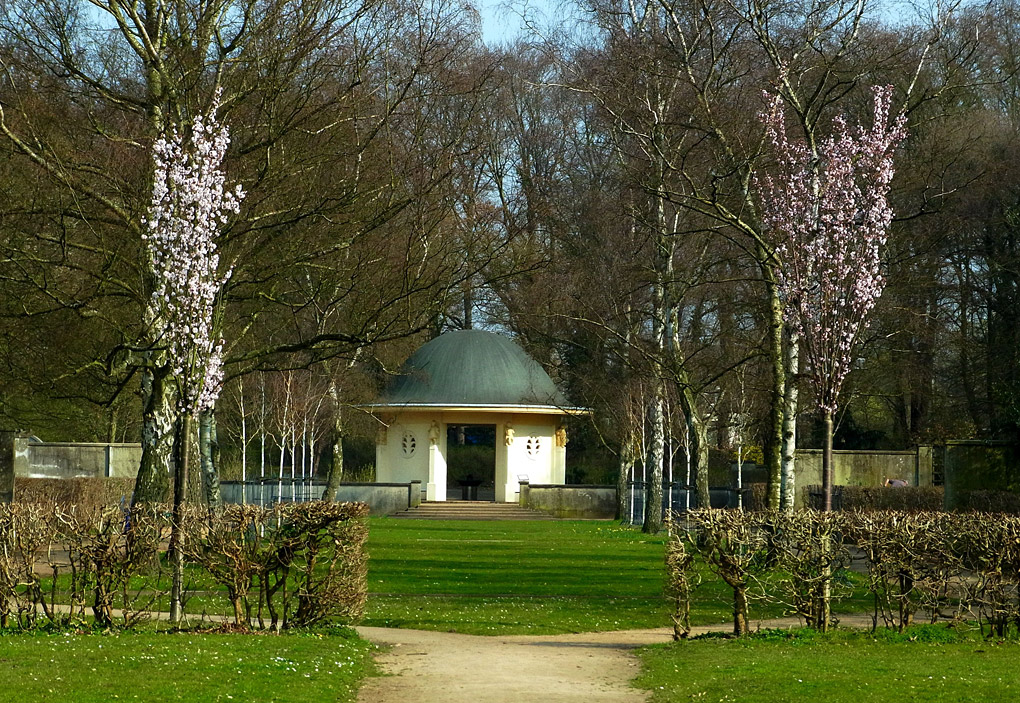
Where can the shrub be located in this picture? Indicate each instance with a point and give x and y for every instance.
(906, 498)
(74, 491)
(954, 566)
(733, 545)
(305, 562)
(990, 502)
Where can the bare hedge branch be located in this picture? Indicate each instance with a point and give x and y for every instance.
(285, 566)
(954, 567)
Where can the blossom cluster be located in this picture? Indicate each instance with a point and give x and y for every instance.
(827, 212)
(190, 203)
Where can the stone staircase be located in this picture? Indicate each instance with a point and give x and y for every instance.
(471, 510)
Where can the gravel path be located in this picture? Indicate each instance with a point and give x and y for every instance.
(440, 667)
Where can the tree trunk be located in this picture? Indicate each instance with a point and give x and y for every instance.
(336, 467)
(789, 482)
(825, 588)
(777, 415)
(697, 434)
(152, 485)
(656, 454)
(740, 610)
(622, 478)
(827, 462)
(180, 453)
(208, 450)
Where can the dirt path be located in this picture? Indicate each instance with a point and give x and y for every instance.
(441, 667)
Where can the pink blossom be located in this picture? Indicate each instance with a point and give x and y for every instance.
(828, 215)
(189, 204)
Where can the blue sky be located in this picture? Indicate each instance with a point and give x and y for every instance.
(500, 23)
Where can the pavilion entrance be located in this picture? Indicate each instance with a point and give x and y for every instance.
(471, 462)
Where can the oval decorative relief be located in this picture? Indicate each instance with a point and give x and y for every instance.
(408, 444)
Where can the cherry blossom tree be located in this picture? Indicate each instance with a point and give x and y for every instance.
(190, 203)
(825, 206)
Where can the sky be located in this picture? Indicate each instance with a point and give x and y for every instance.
(499, 23)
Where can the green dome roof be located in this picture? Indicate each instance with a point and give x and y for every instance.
(471, 368)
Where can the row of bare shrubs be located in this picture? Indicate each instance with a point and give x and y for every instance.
(284, 566)
(955, 567)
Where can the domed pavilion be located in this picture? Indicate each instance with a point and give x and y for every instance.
(471, 378)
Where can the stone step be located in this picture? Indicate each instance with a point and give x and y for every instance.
(471, 510)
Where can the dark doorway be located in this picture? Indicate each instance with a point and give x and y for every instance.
(471, 462)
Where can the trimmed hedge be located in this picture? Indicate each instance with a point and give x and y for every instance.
(77, 491)
(956, 567)
(912, 499)
(284, 566)
(990, 502)
(906, 498)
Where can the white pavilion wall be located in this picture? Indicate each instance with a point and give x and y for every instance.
(404, 456)
(533, 455)
(407, 453)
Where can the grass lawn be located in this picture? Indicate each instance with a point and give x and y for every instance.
(522, 577)
(926, 664)
(158, 666)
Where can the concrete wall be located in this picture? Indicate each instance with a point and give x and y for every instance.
(578, 502)
(71, 459)
(381, 498)
(80, 460)
(864, 468)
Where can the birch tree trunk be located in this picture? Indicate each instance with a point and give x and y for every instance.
(777, 414)
(792, 363)
(155, 470)
(656, 454)
(827, 462)
(208, 450)
(336, 468)
(698, 444)
(626, 465)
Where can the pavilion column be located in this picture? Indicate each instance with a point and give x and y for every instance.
(435, 489)
(559, 455)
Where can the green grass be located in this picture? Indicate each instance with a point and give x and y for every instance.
(484, 577)
(201, 668)
(522, 577)
(926, 664)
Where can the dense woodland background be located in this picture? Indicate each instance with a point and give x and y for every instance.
(586, 189)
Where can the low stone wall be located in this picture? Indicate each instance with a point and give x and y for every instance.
(582, 502)
(864, 468)
(72, 459)
(381, 498)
